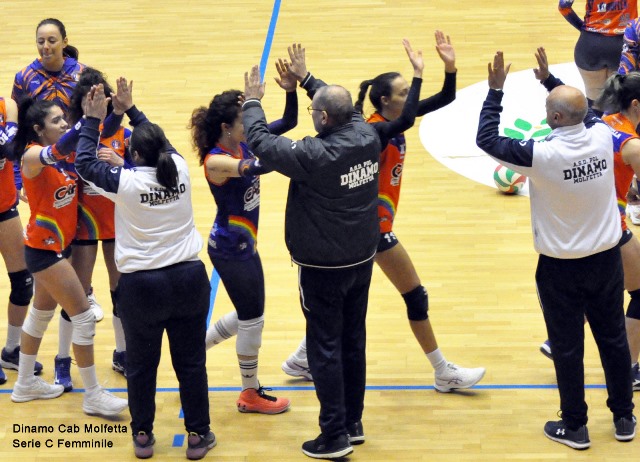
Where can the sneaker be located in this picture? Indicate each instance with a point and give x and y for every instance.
(633, 212)
(37, 389)
(119, 362)
(545, 349)
(62, 373)
(325, 448)
(95, 306)
(558, 432)
(296, 368)
(635, 377)
(199, 445)
(143, 445)
(625, 428)
(252, 400)
(103, 403)
(12, 361)
(3, 377)
(356, 433)
(456, 377)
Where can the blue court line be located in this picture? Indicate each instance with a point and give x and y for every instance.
(215, 280)
(178, 441)
(267, 43)
(368, 388)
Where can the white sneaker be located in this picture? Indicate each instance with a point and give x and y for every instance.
(104, 403)
(95, 307)
(296, 368)
(456, 377)
(37, 389)
(633, 212)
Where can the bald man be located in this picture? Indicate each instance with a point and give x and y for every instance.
(331, 231)
(576, 231)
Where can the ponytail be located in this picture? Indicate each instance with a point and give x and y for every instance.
(364, 86)
(167, 172)
(619, 91)
(149, 142)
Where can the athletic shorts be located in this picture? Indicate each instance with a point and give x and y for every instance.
(39, 260)
(594, 51)
(9, 214)
(387, 241)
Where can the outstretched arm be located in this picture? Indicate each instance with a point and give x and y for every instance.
(448, 93)
(288, 83)
(566, 9)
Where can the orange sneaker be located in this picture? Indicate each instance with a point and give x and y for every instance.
(252, 400)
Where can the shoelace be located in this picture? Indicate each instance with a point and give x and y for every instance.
(262, 394)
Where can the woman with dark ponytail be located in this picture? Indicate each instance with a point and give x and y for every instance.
(163, 284)
(233, 174)
(621, 99)
(42, 145)
(53, 76)
(391, 97)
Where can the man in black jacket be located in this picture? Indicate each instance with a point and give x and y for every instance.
(331, 231)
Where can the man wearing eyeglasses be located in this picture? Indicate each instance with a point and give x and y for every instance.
(331, 231)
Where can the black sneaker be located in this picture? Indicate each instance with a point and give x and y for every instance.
(625, 428)
(558, 432)
(143, 445)
(11, 360)
(199, 445)
(635, 377)
(356, 433)
(325, 448)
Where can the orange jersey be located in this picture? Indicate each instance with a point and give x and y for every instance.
(624, 131)
(8, 192)
(54, 209)
(391, 165)
(95, 212)
(607, 17)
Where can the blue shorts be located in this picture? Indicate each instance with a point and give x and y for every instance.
(387, 241)
(594, 51)
(39, 260)
(9, 214)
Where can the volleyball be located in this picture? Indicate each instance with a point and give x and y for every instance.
(508, 181)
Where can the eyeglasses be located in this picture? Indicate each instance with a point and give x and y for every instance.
(311, 109)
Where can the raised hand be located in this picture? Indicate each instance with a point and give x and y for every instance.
(122, 100)
(287, 81)
(498, 73)
(542, 71)
(253, 89)
(415, 57)
(298, 65)
(96, 103)
(445, 51)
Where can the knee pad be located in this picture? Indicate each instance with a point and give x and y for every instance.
(84, 328)
(417, 302)
(37, 321)
(64, 315)
(249, 336)
(21, 288)
(633, 310)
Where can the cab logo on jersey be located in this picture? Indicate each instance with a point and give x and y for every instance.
(64, 195)
(396, 174)
(359, 174)
(252, 195)
(115, 144)
(449, 134)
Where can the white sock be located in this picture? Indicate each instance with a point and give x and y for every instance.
(25, 368)
(436, 358)
(118, 331)
(226, 327)
(65, 332)
(249, 373)
(89, 379)
(13, 337)
(300, 355)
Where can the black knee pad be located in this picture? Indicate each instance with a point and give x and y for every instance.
(417, 302)
(633, 310)
(21, 288)
(64, 315)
